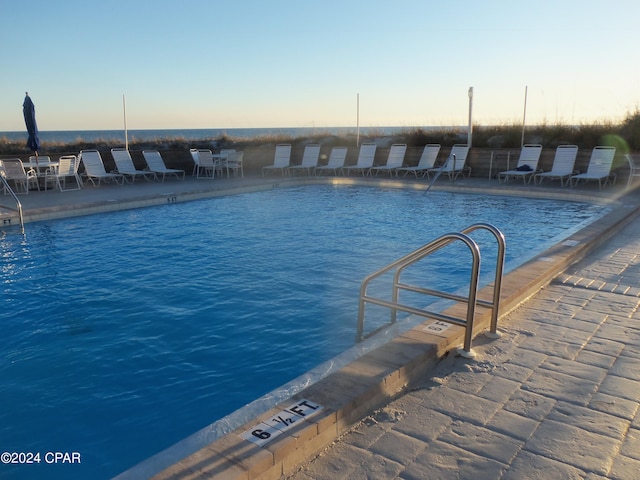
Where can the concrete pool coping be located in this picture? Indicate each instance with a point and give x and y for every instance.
(377, 377)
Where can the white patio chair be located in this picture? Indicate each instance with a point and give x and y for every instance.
(67, 168)
(196, 160)
(234, 162)
(223, 157)
(14, 172)
(634, 167)
(207, 165)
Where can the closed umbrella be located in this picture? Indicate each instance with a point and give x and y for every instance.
(29, 110)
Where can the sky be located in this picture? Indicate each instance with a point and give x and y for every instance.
(297, 63)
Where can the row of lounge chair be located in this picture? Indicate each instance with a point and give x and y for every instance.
(125, 171)
(599, 168)
(454, 164)
(206, 165)
(563, 168)
(66, 170)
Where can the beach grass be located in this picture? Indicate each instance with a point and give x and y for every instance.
(626, 132)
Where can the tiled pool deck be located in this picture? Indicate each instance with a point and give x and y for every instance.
(556, 397)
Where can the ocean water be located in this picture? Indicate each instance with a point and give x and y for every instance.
(199, 134)
(126, 332)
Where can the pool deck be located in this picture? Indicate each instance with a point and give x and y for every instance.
(555, 397)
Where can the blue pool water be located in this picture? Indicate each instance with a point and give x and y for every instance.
(126, 332)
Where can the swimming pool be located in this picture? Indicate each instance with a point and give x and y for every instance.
(128, 331)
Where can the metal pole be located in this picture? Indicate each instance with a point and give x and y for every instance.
(357, 119)
(470, 130)
(524, 116)
(124, 109)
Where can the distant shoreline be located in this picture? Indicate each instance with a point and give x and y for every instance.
(72, 136)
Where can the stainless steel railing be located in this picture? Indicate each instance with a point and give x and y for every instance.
(15, 197)
(470, 299)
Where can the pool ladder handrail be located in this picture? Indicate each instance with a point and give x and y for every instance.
(435, 177)
(471, 299)
(15, 197)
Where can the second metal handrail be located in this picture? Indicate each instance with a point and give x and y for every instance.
(13, 194)
(471, 299)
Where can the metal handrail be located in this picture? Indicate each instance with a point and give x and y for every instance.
(494, 305)
(13, 194)
(471, 299)
(440, 170)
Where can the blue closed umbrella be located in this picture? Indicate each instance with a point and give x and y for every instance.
(29, 110)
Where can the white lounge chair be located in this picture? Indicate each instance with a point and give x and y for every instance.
(336, 161)
(13, 171)
(365, 160)
(125, 166)
(599, 167)
(562, 167)
(281, 160)
(426, 162)
(455, 164)
(527, 164)
(156, 164)
(310, 159)
(94, 168)
(67, 168)
(394, 160)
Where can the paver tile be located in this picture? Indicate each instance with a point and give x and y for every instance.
(512, 424)
(444, 461)
(560, 386)
(624, 468)
(574, 369)
(620, 387)
(614, 405)
(482, 441)
(595, 359)
(529, 405)
(590, 420)
(631, 444)
(545, 469)
(498, 389)
(398, 447)
(627, 367)
(575, 446)
(460, 405)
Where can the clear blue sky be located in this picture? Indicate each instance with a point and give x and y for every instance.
(286, 63)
